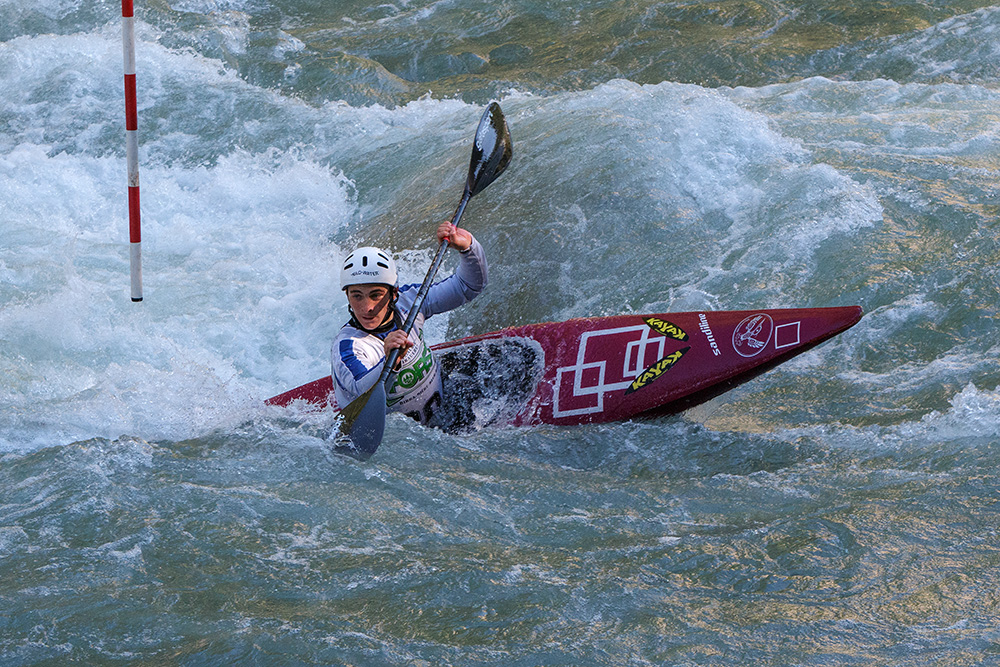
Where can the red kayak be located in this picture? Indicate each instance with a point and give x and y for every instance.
(601, 369)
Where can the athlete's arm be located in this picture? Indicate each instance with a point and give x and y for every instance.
(465, 284)
(356, 365)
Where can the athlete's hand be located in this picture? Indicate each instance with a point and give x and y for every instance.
(457, 238)
(397, 339)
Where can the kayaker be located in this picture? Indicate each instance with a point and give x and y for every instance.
(378, 307)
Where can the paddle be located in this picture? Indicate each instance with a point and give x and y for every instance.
(363, 420)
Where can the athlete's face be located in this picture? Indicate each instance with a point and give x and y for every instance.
(370, 303)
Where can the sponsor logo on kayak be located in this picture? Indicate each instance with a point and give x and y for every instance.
(707, 330)
(666, 328)
(752, 335)
(656, 370)
(610, 360)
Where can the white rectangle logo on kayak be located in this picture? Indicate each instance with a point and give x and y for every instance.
(787, 335)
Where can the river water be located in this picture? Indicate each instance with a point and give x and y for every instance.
(839, 510)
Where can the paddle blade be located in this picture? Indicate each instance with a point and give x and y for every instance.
(363, 421)
(491, 151)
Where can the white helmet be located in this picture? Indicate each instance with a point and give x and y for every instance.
(368, 265)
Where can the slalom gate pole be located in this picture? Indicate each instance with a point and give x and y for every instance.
(132, 150)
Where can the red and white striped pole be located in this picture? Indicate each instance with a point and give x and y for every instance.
(132, 150)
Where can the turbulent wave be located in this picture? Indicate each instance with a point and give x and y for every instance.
(666, 157)
(960, 49)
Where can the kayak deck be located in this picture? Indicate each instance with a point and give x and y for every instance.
(602, 369)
